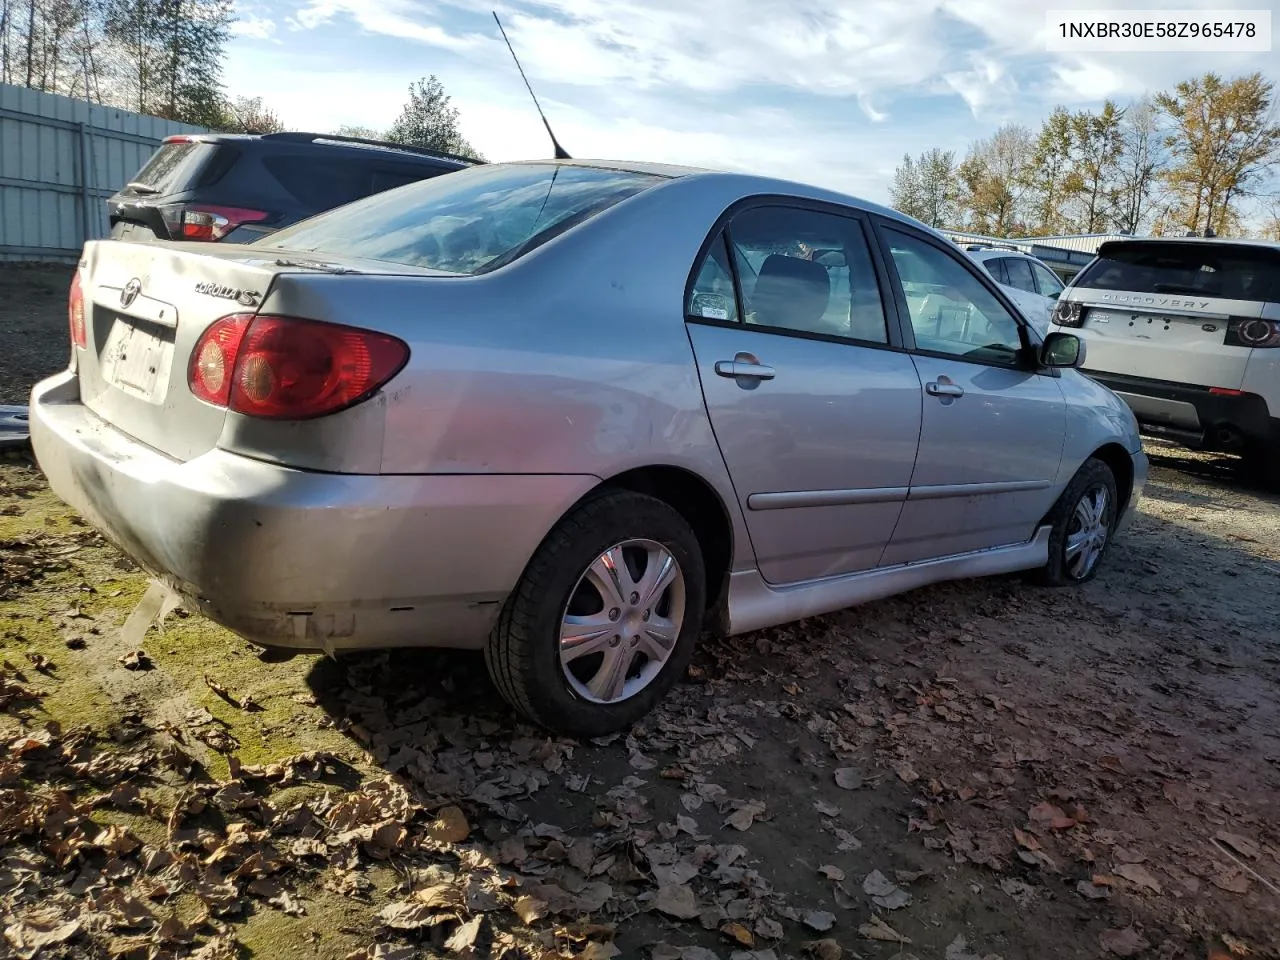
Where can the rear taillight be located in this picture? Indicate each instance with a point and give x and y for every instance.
(75, 313)
(206, 222)
(283, 368)
(1068, 313)
(1253, 333)
(213, 361)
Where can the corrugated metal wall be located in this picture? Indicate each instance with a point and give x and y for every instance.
(48, 207)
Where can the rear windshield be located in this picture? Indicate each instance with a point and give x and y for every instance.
(1233, 273)
(172, 168)
(467, 222)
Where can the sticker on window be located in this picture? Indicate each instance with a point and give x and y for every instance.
(710, 305)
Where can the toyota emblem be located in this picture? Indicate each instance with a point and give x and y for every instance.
(130, 293)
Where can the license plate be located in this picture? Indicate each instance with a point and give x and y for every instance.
(133, 360)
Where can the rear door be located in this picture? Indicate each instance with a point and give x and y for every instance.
(814, 404)
(993, 424)
(1166, 310)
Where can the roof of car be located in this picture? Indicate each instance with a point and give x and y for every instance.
(747, 184)
(1200, 241)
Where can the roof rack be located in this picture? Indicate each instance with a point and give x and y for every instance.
(293, 136)
(991, 246)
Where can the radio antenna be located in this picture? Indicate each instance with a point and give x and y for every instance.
(561, 153)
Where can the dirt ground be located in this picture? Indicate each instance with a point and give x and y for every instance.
(977, 770)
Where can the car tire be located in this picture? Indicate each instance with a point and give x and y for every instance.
(559, 595)
(1078, 514)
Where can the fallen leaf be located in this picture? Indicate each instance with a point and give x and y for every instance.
(1241, 845)
(410, 916)
(1092, 891)
(848, 778)
(1112, 763)
(823, 949)
(449, 826)
(820, 920)
(1045, 814)
(678, 900)
(744, 816)
(1231, 880)
(1179, 794)
(30, 936)
(826, 809)
(738, 933)
(877, 929)
(599, 951)
(906, 773)
(1122, 943)
(1138, 874)
(769, 928)
(464, 938)
(884, 892)
(530, 909)
(1125, 855)
(136, 660)
(831, 872)
(1025, 840)
(1237, 946)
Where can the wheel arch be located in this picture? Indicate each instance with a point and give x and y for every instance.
(1118, 459)
(697, 501)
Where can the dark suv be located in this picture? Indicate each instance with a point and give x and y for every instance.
(239, 187)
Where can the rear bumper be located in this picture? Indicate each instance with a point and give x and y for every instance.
(1194, 416)
(289, 558)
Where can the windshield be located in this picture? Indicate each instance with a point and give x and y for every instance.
(1232, 273)
(468, 222)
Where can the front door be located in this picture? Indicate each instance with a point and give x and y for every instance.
(816, 411)
(993, 424)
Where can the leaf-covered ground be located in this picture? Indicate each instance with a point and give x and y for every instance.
(975, 770)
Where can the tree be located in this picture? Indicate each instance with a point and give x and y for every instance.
(1139, 168)
(1222, 140)
(992, 181)
(249, 115)
(1046, 174)
(906, 194)
(429, 120)
(364, 133)
(1096, 140)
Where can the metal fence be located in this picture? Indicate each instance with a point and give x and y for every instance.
(59, 160)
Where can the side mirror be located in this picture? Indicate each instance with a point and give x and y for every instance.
(1062, 350)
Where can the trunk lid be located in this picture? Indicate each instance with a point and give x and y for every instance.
(146, 306)
(1160, 309)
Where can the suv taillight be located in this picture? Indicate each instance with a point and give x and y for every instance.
(1252, 333)
(75, 313)
(1068, 313)
(201, 221)
(284, 368)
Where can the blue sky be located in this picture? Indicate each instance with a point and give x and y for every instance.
(833, 96)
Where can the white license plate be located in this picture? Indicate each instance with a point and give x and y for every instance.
(133, 360)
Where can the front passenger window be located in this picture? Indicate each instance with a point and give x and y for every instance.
(952, 313)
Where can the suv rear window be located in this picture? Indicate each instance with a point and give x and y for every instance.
(172, 168)
(1229, 272)
(468, 222)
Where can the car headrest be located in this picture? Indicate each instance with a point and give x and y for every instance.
(791, 293)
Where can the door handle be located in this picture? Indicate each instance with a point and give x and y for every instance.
(744, 368)
(936, 389)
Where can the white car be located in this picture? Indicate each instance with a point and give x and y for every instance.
(1027, 281)
(1187, 332)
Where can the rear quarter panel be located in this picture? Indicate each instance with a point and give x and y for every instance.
(572, 360)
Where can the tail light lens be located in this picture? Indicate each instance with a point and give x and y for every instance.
(1253, 333)
(75, 313)
(283, 368)
(206, 222)
(1068, 313)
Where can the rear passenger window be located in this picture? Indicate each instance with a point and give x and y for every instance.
(1019, 273)
(321, 184)
(797, 270)
(712, 296)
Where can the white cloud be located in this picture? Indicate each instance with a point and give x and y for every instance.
(253, 27)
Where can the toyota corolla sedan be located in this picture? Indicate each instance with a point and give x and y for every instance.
(573, 414)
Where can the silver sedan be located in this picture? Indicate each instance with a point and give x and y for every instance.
(574, 414)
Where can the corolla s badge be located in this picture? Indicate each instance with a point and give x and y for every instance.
(247, 298)
(130, 293)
